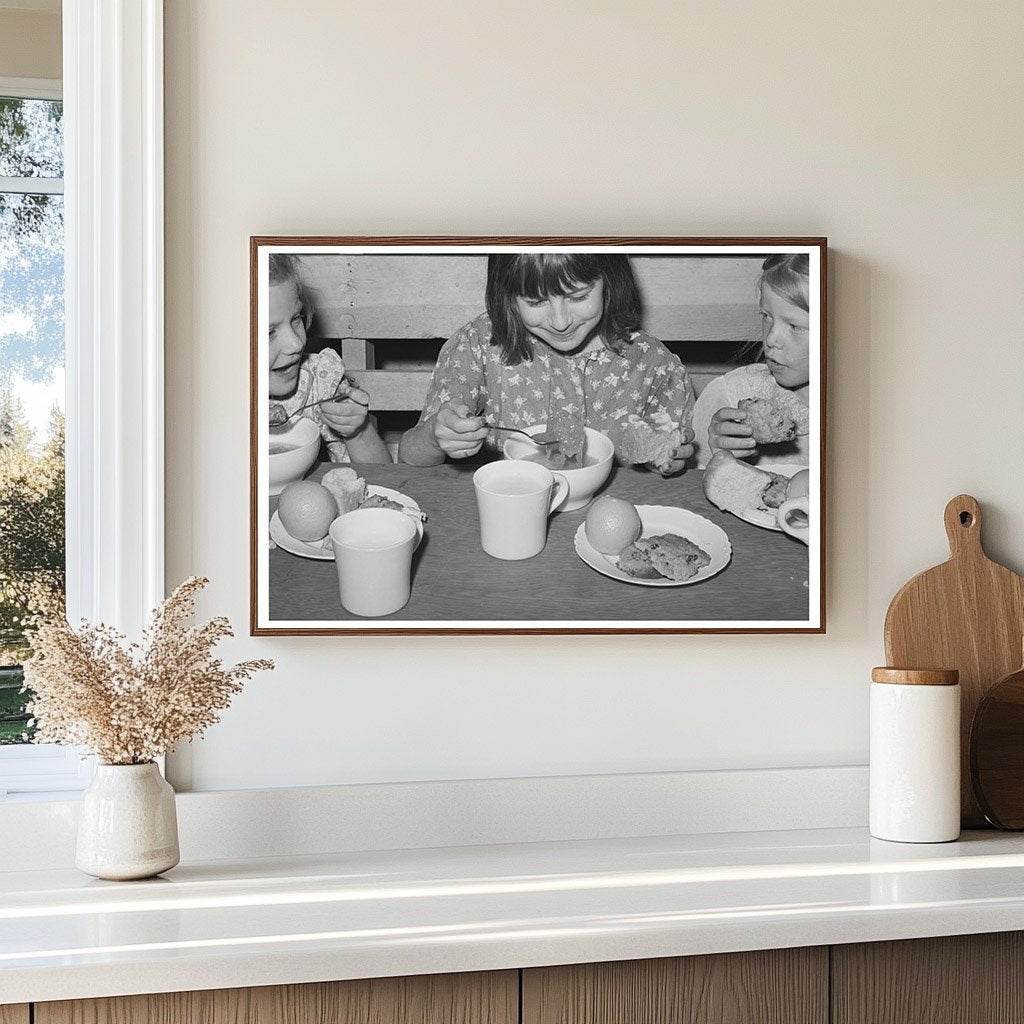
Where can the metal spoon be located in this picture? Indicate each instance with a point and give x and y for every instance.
(279, 416)
(543, 438)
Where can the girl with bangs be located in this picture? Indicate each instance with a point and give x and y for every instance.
(561, 338)
(781, 381)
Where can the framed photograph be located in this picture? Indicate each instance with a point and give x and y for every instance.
(537, 435)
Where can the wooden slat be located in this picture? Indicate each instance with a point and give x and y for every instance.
(697, 322)
(961, 979)
(786, 986)
(14, 1014)
(357, 354)
(481, 998)
(686, 298)
(391, 390)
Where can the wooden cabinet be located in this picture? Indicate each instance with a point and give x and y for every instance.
(491, 998)
(962, 979)
(966, 979)
(777, 986)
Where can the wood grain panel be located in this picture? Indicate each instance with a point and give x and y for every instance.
(967, 614)
(14, 1014)
(686, 298)
(481, 998)
(961, 979)
(783, 986)
(454, 580)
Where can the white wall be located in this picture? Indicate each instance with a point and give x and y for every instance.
(894, 129)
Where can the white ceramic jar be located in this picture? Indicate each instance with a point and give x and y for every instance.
(915, 755)
(127, 823)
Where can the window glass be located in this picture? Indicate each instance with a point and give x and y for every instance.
(31, 138)
(31, 388)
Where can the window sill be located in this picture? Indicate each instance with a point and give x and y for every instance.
(236, 923)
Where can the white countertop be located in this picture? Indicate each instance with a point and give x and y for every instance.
(355, 915)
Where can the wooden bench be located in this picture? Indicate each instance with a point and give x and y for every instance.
(386, 314)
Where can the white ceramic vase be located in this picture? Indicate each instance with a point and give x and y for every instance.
(127, 825)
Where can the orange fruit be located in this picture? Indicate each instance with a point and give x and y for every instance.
(612, 524)
(307, 510)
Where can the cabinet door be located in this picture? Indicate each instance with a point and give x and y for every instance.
(14, 1014)
(483, 998)
(778, 986)
(961, 979)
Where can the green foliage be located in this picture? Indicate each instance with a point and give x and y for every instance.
(14, 727)
(31, 347)
(31, 544)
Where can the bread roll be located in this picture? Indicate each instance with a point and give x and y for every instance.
(734, 486)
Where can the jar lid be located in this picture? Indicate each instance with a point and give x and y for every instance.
(916, 676)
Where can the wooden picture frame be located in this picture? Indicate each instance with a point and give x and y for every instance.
(387, 305)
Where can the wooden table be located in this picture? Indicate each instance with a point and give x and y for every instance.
(455, 581)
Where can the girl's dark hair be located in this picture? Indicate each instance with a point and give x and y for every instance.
(788, 274)
(285, 267)
(536, 275)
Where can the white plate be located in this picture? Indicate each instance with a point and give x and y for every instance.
(757, 516)
(321, 549)
(657, 519)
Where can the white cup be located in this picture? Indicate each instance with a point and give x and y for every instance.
(514, 500)
(373, 555)
(793, 518)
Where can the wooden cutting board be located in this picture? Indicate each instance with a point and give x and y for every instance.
(967, 614)
(997, 752)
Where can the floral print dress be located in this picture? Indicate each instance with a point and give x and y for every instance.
(320, 374)
(597, 386)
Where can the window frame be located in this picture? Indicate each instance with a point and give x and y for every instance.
(112, 91)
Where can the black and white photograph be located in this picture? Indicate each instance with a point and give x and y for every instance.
(537, 435)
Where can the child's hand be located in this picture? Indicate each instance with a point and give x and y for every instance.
(677, 463)
(730, 433)
(347, 416)
(458, 433)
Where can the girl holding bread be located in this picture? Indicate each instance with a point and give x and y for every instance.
(760, 412)
(297, 377)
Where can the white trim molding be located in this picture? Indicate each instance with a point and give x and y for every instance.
(316, 821)
(42, 768)
(113, 110)
(31, 88)
(114, 327)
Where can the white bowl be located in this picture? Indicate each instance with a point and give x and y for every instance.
(583, 483)
(302, 437)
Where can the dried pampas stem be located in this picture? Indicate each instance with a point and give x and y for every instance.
(130, 703)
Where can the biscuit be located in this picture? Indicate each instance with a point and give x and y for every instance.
(677, 558)
(635, 560)
(774, 493)
(664, 556)
(771, 421)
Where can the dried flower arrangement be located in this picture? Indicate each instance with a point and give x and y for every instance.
(129, 704)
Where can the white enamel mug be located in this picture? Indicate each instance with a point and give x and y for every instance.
(514, 500)
(793, 518)
(373, 555)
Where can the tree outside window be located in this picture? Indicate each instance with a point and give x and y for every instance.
(32, 533)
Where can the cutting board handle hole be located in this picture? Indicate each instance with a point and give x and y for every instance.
(966, 519)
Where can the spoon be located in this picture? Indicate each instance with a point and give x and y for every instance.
(279, 416)
(543, 438)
